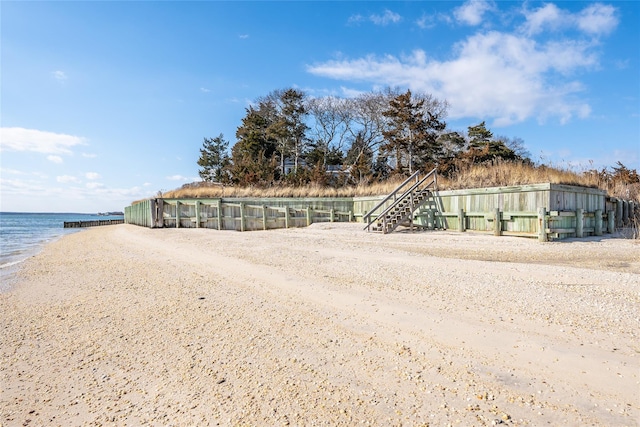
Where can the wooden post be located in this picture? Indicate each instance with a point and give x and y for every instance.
(177, 214)
(308, 216)
(219, 209)
(264, 217)
(497, 222)
(412, 204)
(625, 212)
(242, 217)
(332, 215)
(197, 213)
(543, 224)
(461, 220)
(431, 223)
(579, 222)
(159, 211)
(618, 212)
(153, 210)
(286, 217)
(611, 222)
(350, 216)
(598, 226)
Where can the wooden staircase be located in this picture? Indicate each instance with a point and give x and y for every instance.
(413, 193)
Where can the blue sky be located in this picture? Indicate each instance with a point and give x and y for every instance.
(103, 103)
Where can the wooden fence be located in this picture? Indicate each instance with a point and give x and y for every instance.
(543, 211)
(236, 215)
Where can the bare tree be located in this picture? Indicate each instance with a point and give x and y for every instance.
(330, 123)
(367, 123)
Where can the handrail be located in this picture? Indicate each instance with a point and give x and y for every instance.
(376, 207)
(393, 194)
(410, 191)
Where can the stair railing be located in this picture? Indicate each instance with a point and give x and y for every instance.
(409, 193)
(368, 217)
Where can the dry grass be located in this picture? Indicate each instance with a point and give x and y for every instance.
(205, 191)
(500, 174)
(497, 174)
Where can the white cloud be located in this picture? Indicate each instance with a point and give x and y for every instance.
(430, 21)
(472, 12)
(59, 75)
(67, 179)
(89, 155)
(94, 185)
(388, 17)
(54, 159)
(92, 175)
(244, 36)
(547, 17)
(21, 187)
(507, 77)
(20, 139)
(178, 178)
(597, 19)
(355, 19)
(4, 171)
(204, 90)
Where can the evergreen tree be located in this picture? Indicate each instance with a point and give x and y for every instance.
(411, 133)
(479, 136)
(254, 151)
(288, 127)
(214, 160)
(483, 147)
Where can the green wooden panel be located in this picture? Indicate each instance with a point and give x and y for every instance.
(518, 204)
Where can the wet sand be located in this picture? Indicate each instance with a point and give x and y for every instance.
(325, 325)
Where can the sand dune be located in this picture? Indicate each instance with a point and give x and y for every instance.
(326, 325)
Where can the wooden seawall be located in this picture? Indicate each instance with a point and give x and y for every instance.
(542, 211)
(96, 223)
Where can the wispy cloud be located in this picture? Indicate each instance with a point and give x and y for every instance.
(594, 20)
(387, 17)
(545, 18)
(94, 185)
(21, 139)
(59, 75)
(54, 158)
(598, 19)
(426, 21)
(243, 36)
(67, 179)
(182, 178)
(89, 155)
(92, 175)
(472, 12)
(205, 90)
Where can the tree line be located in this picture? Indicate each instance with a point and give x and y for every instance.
(289, 137)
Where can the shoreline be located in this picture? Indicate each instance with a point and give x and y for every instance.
(325, 324)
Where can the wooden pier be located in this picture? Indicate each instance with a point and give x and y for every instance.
(95, 223)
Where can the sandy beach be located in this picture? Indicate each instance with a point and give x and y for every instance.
(325, 325)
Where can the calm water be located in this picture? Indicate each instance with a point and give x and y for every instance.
(24, 234)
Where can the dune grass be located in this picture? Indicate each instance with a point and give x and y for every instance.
(496, 174)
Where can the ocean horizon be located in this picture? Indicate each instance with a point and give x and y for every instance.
(24, 234)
